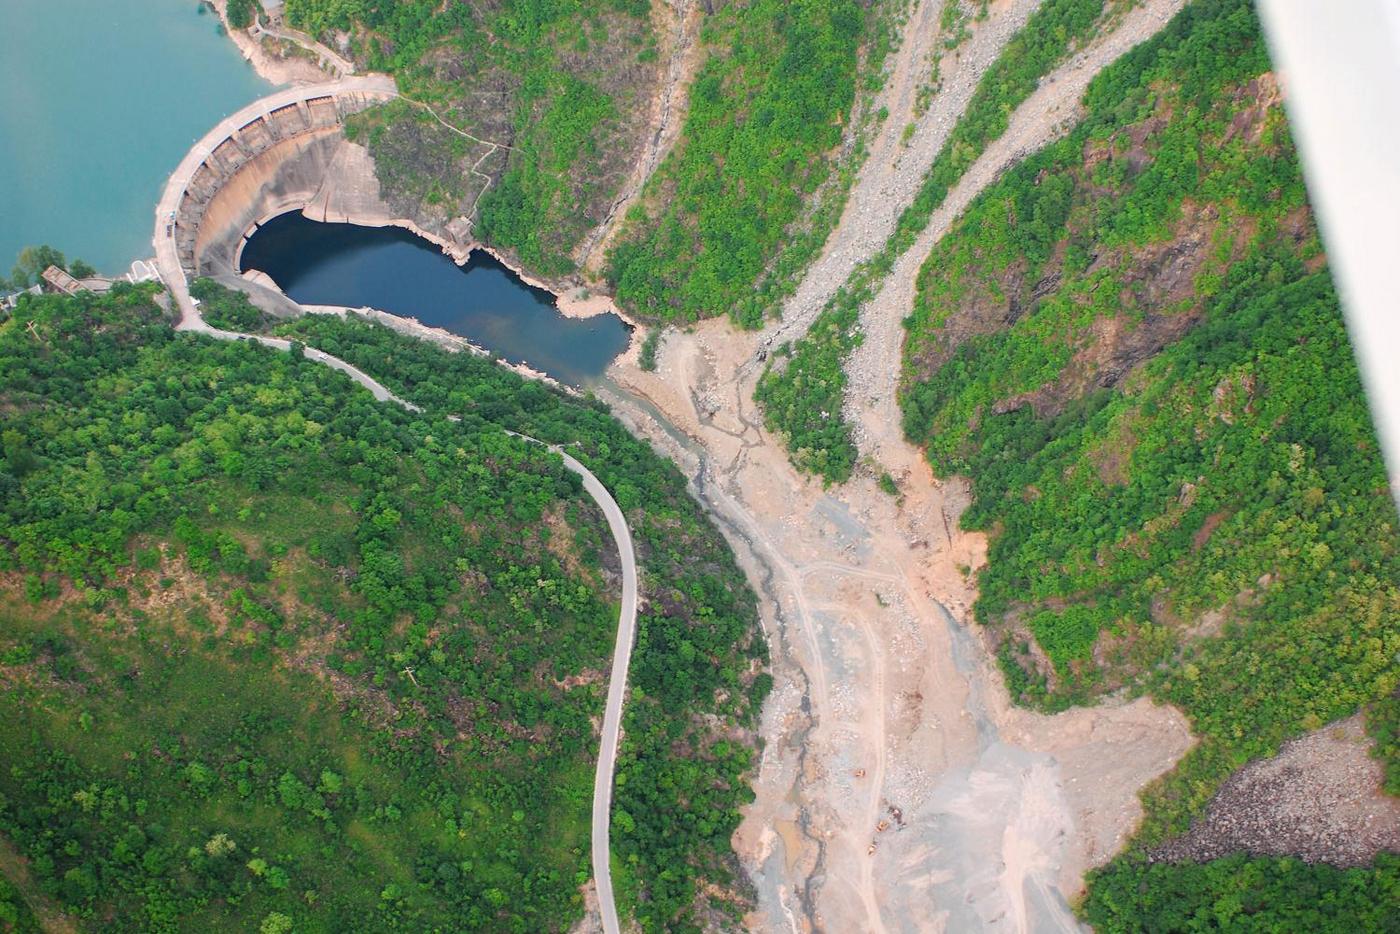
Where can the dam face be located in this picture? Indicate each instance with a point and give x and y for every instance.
(290, 156)
(278, 188)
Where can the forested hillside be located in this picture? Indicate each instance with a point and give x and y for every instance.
(550, 101)
(1133, 347)
(766, 117)
(545, 104)
(275, 656)
(1242, 894)
(698, 652)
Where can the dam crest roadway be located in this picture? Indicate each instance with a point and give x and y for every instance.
(237, 169)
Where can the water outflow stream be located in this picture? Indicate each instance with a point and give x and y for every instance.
(396, 271)
(976, 800)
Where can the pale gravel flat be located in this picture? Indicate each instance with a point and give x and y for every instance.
(874, 367)
(894, 171)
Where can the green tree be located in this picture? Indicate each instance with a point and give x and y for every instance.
(32, 262)
(241, 13)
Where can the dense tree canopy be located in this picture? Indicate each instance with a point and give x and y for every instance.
(1132, 345)
(274, 649)
(1242, 894)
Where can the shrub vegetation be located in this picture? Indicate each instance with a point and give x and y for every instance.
(764, 111)
(1132, 345)
(802, 392)
(544, 98)
(277, 655)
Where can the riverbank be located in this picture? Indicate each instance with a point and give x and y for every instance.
(443, 338)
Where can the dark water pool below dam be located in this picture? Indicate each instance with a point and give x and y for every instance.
(394, 270)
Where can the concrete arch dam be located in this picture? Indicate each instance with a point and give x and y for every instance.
(284, 152)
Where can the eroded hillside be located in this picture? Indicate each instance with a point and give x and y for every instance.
(1132, 346)
(519, 121)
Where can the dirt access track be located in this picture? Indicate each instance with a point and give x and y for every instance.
(898, 789)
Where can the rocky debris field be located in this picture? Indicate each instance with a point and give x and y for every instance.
(1319, 799)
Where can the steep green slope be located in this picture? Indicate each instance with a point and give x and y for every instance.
(1242, 894)
(274, 654)
(547, 98)
(697, 653)
(765, 114)
(1383, 723)
(1164, 250)
(1131, 344)
(803, 388)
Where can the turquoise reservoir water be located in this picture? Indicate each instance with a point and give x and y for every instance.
(99, 101)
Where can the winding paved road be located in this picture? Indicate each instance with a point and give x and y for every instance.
(176, 283)
(617, 689)
(617, 682)
(626, 620)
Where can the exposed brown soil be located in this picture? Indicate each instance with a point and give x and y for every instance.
(275, 60)
(560, 542)
(1111, 459)
(1207, 529)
